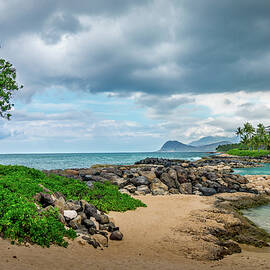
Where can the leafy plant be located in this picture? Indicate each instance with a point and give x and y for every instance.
(19, 218)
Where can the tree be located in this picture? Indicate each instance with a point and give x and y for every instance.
(7, 87)
(239, 132)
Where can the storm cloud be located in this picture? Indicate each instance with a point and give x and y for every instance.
(155, 47)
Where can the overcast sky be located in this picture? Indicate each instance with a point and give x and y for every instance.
(127, 75)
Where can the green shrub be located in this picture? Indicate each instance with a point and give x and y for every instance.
(248, 153)
(19, 218)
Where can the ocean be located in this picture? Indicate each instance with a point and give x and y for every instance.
(85, 160)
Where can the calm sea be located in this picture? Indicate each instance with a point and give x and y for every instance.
(85, 160)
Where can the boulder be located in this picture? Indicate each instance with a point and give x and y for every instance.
(140, 180)
(130, 188)
(46, 199)
(90, 210)
(208, 191)
(103, 219)
(174, 191)
(76, 222)
(150, 175)
(60, 204)
(73, 205)
(158, 188)
(116, 235)
(185, 188)
(143, 189)
(88, 223)
(167, 180)
(70, 214)
(120, 182)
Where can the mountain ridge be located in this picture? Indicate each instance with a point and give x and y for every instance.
(176, 146)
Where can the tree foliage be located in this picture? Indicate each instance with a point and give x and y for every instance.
(254, 138)
(8, 85)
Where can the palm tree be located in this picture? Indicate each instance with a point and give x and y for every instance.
(239, 132)
(249, 131)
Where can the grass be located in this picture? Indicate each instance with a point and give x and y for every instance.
(19, 218)
(248, 153)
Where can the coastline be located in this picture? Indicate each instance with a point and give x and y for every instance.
(155, 238)
(191, 230)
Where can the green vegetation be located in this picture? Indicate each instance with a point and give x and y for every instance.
(7, 86)
(227, 147)
(248, 153)
(19, 218)
(254, 139)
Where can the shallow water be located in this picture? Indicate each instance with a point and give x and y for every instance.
(254, 171)
(85, 160)
(260, 215)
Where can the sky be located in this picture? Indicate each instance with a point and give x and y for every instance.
(128, 75)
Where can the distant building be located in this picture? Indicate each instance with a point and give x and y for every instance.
(267, 129)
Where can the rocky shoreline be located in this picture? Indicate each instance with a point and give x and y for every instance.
(205, 177)
(222, 227)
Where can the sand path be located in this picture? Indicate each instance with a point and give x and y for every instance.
(150, 242)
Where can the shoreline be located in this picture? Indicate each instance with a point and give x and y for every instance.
(154, 238)
(174, 228)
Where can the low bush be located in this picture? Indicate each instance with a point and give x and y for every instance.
(248, 153)
(19, 218)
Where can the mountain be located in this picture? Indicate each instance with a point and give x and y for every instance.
(214, 139)
(175, 146)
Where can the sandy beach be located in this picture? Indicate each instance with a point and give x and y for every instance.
(154, 238)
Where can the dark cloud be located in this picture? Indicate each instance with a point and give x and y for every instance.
(155, 47)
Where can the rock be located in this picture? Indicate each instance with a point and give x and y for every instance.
(174, 191)
(103, 219)
(130, 188)
(143, 189)
(46, 199)
(61, 218)
(88, 223)
(116, 235)
(140, 180)
(90, 184)
(90, 210)
(150, 175)
(101, 239)
(60, 203)
(73, 205)
(158, 188)
(83, 215)
(185, 188)
(70, 214)
(124, 191)
(208, 191)
(95, 222)
(167, 180)
(173, 174)
(76, 222)
(120, 182)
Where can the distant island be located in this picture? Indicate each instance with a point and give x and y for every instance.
(205, 144)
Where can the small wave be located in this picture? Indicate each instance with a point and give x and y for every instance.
(194, 158)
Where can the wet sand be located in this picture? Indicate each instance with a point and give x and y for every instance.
(152, 240)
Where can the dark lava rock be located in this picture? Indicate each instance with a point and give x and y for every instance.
(104, 219)
(207, 191)
(90, 210)
(116, 235)
(46, 199)
(89, 224)
(167, 180)
(140, 180)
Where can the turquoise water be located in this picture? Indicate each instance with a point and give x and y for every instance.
(260, 215)
(85, 160)
(253, 171)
